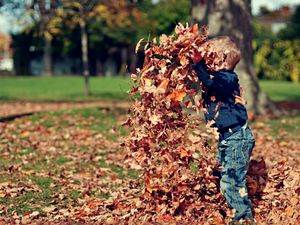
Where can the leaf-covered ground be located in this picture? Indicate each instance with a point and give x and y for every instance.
(51, 163)
(10, 109)
(58, 167)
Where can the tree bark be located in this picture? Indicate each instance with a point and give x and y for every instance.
(99, 68)
(232, 18)
(47, 58)
(124, 57)
(85, 60)
(46, 14)
(133, 61)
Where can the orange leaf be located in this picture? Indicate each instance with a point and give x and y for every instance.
(25, 134)
(289, 211)
(151, 189)
(147, 185)
(167, 218)
(177, 95)
(182, 187)
(184, 153)
(164, 84)
(195, 29)
(184, 61)
(92, 205)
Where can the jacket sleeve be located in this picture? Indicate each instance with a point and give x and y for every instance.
(220, 81)
(203, 74)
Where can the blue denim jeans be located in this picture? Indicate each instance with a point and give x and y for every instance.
(234, 156)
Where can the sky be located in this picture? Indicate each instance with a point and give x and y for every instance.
(5, 26)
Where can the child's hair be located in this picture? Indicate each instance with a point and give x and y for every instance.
(228, 54)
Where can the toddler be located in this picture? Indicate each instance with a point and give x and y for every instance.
(225, 111)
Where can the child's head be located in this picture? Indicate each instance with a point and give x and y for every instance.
(227, 53)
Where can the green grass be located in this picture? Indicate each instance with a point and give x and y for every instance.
(63, 88)
(281, 90)
(70, 88)
(42, 182)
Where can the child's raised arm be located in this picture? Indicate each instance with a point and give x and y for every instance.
(221, 81)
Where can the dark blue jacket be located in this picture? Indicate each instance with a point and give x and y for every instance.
(220, 88)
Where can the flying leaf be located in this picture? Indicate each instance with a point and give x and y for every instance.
(138, 45)
(162, 87)
(195, 29)
(177, 95)
(133, 77)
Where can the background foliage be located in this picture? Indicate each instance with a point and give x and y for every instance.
(113, 28)
(277, 56)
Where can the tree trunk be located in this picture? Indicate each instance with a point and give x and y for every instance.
(47, 57)
(45, 14)
(133, 61)
(85, 60)
(232, 18)
(123, 69)
(99, 68)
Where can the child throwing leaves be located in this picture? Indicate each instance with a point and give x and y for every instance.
(224, 111)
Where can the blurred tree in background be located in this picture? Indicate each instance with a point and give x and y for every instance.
(121, 23)
(72, 14)
(35, 17)
(292, 30)
(98, 37)
(44, 11)
(277, 55)
(108, 32)
(166, 14)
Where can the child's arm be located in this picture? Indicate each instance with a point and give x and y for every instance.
(203, 74)
(221, 81)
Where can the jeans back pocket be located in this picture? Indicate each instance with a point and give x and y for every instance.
(242, 153)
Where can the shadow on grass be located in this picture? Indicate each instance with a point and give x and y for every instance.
(6, 98)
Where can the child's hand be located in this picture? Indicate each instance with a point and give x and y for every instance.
(200, 66)
(200, 69)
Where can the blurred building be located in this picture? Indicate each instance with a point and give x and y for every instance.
(276, 19)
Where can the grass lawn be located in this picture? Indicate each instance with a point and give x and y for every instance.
(281, 90)
(63, 88)
(70, 88)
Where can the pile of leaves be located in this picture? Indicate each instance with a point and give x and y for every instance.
(165, 142)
